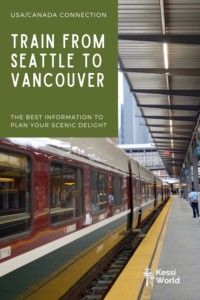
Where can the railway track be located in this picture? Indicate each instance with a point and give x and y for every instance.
(99, 280)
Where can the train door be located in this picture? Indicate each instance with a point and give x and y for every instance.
(155, 193)
(131, 197)
(162, 193)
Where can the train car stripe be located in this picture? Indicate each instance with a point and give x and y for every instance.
(28, 257)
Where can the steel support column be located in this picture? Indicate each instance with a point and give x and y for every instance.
(188, 178)
(195, 167)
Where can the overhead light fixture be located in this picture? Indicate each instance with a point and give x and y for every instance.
(165, 51)
(170, 126)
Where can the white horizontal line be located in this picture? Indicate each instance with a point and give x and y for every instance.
(23, 259)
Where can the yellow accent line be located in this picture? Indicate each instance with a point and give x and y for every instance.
(129, 283)
(147, 291)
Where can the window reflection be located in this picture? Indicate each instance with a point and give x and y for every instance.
(66, 192)
(14, 194)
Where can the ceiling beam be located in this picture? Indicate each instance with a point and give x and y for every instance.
(174, 118)
(182, 133)
(171, 150)
(168, 143)
(174, 159)
(165, 142)
(175, 38)
(174, 71)
(175, 163)
(172, 138)
(169, 158)
(168, 126)
(166, 146)
(177, 152)
(189, 93)
(174, 107)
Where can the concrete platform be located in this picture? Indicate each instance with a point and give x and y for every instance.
(180, 252)
(166, 266)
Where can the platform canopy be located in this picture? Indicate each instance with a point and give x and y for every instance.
(159, 54)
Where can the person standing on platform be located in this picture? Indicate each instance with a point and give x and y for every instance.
(110, 203)
(193, 198)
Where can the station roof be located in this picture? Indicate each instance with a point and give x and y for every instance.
(159, 53)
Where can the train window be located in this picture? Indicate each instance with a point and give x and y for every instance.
(150, 195)
(158, 192)
(15, 195)
(144, 191)
(99, 191)
(65, 192)
(136, 192)
(116, 190)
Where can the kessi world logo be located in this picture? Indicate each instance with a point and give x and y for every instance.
(161, 277)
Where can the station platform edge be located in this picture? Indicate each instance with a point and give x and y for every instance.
(131, 284)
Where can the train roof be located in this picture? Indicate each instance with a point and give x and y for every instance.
(98, 150)
(101, 150)
(146, 174)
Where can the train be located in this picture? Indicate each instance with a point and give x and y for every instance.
(64, 204)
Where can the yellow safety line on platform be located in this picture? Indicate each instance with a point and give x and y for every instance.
(146, 293)
(130, 285)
